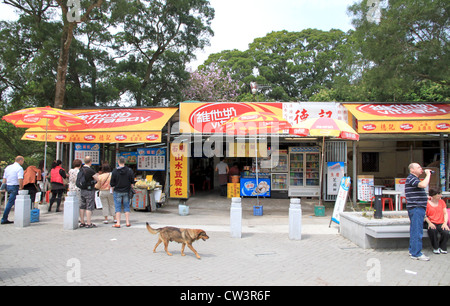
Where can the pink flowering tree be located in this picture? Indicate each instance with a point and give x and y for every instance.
(211, 84)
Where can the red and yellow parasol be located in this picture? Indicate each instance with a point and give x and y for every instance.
(48, 118)
(324, 127)
(45, 117)
(252, 123)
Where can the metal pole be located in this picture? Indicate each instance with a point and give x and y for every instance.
(257, 182)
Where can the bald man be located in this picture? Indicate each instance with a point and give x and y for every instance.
(416, 199)
(13, 178)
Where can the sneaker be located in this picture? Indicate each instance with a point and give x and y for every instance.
(442, 251)
(421, 257)
(436, 251)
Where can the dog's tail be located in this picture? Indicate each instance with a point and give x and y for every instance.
(152, 230)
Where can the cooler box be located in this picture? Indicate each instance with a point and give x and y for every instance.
(248, 187)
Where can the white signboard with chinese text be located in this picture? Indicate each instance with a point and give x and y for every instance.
(88, 149)
(151, 159)
(335, 172)
(365, 187)
(341, 199)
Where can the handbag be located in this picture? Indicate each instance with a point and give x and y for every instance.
(131, 193)
(98, 201)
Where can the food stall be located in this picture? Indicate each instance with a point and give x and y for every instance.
(147, 194)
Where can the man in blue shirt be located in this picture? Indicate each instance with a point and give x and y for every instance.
(416, 199)
(13, 178)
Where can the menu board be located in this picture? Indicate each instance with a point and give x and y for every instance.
(365, 187)
(334, 176)
(151, 159)
(88, 149)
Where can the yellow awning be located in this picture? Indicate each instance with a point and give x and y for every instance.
(401, 117)
(134, 125)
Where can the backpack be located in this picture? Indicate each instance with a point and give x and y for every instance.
(81, 179)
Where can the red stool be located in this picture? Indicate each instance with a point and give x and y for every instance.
(390, 202)
(383, 203)
(193, 189)
(401, 202)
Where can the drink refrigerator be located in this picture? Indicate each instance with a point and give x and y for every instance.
(304, 175)
(280, 166)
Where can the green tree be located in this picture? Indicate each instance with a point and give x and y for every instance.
(293, 65)
(155, 36)
(408, 45)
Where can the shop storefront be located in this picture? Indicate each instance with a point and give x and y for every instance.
(394, 135)
(139, 135)
(272, 163)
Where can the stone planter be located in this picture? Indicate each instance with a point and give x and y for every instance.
(353, 227)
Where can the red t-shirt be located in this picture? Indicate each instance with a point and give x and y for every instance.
(436, 214)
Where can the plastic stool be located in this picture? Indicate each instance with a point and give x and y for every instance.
(193, 189)
(401, 202)
(390, 202)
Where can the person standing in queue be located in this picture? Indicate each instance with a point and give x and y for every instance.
(57, 176)
(122, 180)
(222, 169)
(416, 199)
(13, 178)
(31, 178)
(87, 194)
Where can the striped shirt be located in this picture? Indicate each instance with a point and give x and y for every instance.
(415, 196)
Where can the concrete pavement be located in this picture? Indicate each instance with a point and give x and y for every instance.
(46, 254)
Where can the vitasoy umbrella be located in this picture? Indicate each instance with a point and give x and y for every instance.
(45, 117)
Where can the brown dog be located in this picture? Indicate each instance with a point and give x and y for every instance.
(180, 235)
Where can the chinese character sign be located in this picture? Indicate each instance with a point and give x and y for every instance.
(335, 174)
(88, 149)
(151, 159)
(179, 165)
(341, 199)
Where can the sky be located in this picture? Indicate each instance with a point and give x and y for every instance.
(238, 22)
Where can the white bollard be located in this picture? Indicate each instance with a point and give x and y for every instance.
(236, 218)
(22, 209)
(295, 219)
(71, 211)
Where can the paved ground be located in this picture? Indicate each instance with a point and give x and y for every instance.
(45, 254)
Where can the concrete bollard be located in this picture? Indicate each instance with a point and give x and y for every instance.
(22, 209)
(295, 219)
(236, 218)
(71, 211)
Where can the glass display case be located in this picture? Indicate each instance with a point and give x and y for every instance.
(304, 167)
(279, 181)
(280, 166)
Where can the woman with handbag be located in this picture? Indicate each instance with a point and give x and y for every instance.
(106, 197)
